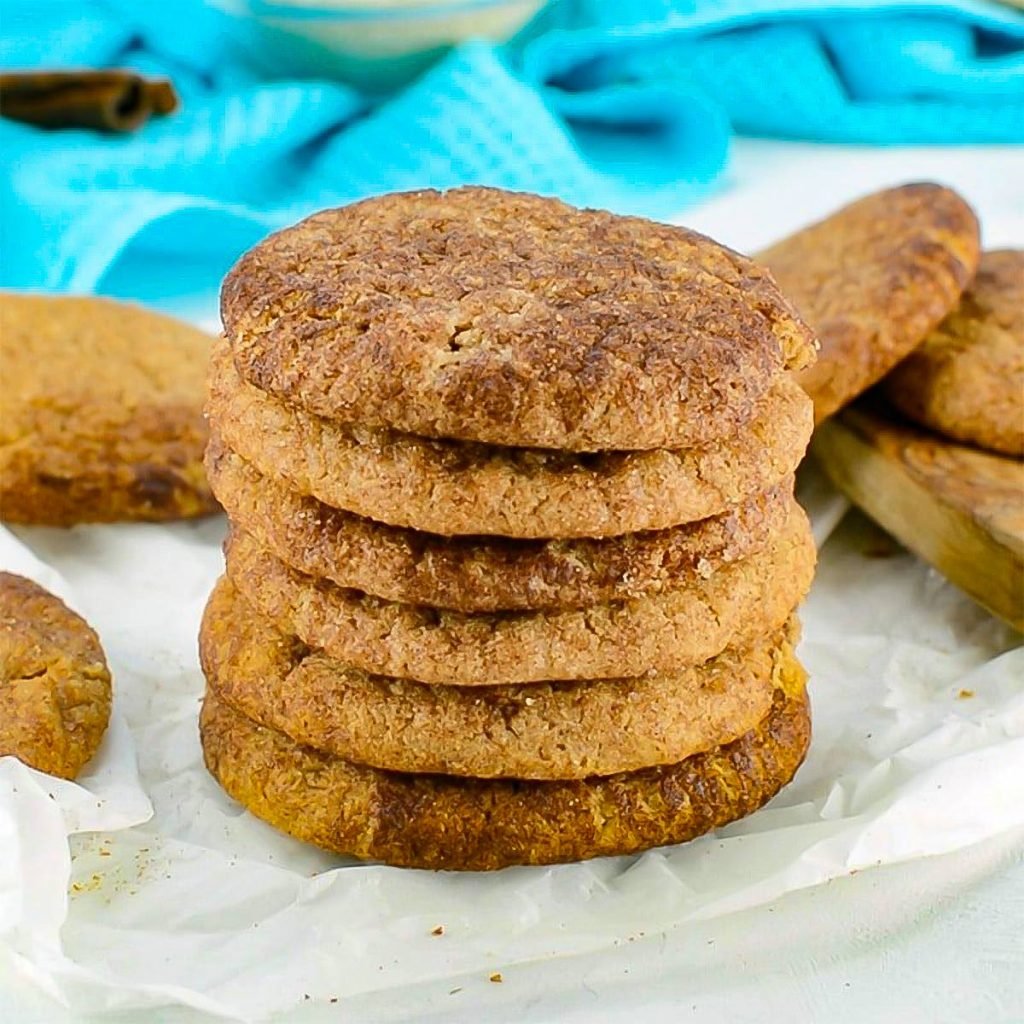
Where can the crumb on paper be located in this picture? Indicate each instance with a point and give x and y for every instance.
(439, 930)
(496, 977)
(92, 885)
(878, 552)
(454, 991)
(965, 695)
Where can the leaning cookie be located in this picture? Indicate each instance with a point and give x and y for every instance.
(872, 280)
(100, 413)
(54, 683)
(967, 380)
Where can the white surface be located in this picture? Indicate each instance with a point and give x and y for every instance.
(868, 946)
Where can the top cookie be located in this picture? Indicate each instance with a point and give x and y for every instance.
(967, 379)
(872, 280)
(101, 412)
(510, 319)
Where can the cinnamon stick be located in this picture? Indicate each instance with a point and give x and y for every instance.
(106, 101)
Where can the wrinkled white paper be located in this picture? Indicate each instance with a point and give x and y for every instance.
(918, 750)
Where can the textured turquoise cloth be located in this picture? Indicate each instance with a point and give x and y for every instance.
(626, 105)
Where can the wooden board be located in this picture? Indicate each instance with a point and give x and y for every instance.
(959, 508)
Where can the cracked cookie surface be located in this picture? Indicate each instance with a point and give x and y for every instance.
(101, 413)
(967, 379)
(453, 488)
(510, 319)
(55, 689)
(695, 620)
(529, 731)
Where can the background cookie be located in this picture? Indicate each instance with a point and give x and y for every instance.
(54, 683)
(446, 823)
(100, 412)
(680, 627)
(872, 280)
(454, 488)
(967, 379)
(510, 319)
(478, 574)
(531, 731)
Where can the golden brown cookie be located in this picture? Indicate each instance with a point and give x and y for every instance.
(453, 488)
(510, 319)
(482, 574)
(443, 822)
(967, 379)
(694, 621)
(101, 413)
(872, 280)
(54, 681)
(530, 731)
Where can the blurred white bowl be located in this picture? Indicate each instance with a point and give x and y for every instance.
(374, 45)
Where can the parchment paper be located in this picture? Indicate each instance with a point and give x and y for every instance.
(918, 749)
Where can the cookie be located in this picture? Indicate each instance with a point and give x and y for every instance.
(453, 488)
(530, 731)
(872, 280)
(449, 823)
(482, 574)
(54, 683)
(101, 413)
(659, 634)
(510, 319)
(967, 380)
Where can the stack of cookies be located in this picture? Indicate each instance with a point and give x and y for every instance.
(514, 554)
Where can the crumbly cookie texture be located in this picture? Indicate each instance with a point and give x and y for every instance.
(448, 823)
(510, 319)
(481, 574)
(101, 413)
(967, 379)
(529, 731)
(55, 689)
(688, 624)
(872, 280)
(454, 488)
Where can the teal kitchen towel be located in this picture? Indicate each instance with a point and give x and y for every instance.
(628, 106)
